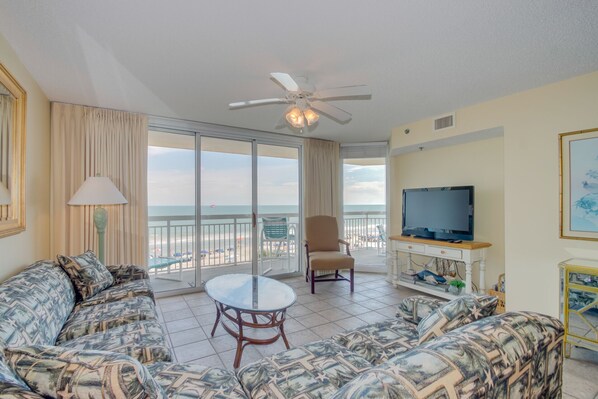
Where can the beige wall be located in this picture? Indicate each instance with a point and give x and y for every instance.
(480, 164)
(531, 121)
(20, 250)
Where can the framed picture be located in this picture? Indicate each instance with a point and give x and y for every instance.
(579, 184)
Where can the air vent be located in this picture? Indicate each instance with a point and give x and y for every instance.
(444, 122)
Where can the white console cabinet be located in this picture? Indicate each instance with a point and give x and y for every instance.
(468, 252)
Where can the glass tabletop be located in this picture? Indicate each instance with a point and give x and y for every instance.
(251, 293)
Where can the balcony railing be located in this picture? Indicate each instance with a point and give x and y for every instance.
(226, 239)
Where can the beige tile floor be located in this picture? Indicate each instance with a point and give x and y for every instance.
(188, 320)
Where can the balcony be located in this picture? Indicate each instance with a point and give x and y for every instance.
(226, 246)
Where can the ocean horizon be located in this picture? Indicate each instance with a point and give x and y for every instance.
(186, 210)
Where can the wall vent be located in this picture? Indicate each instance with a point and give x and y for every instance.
(444, 122)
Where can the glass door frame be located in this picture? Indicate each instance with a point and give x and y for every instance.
(199, 130)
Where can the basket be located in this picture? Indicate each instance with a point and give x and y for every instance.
(500, 307)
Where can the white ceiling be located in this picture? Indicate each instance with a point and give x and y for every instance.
(188, 59)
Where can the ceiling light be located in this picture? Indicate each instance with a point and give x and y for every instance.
(295, 118)
(310, 116)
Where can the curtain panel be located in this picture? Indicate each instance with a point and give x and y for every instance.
(321, 174)
(88, 141)
(6, 116)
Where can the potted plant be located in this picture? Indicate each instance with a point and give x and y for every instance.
(455, 286)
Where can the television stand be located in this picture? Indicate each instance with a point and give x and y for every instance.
(468, 252)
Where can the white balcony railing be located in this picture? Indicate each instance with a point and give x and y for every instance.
(226, 239)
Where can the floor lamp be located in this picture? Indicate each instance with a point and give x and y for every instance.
(98, 191)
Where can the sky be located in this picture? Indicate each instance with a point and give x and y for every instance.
(226, 179)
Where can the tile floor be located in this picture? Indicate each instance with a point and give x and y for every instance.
(189, 319)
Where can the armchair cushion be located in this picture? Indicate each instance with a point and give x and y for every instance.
(321, 233)
(88, 274)
(126, 273)
(53, 372)
(330, 260)
(455, 314)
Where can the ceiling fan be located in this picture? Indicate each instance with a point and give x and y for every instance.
(305, 100)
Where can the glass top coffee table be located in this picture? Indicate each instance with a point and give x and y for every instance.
(255, 302)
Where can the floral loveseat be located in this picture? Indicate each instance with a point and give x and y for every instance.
(111, 345)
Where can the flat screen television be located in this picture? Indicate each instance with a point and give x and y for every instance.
(439, 213)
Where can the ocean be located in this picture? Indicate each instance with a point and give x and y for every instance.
(185, 210)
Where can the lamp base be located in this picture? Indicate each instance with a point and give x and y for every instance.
(100, 219)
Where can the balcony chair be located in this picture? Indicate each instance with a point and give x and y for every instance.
(276, 231)
(381, 238)
(323, 251)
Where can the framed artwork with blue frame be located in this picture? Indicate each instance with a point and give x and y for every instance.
(579, 184)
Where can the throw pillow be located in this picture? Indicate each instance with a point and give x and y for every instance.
(454, 314)
(88, 274)
(55, 372)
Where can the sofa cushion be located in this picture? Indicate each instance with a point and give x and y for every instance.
(121, 291)
(379, 342)
(454, 314)
(34, 305)
(416, 307)
(88, 274)
(517, 354)
(52, 371)
(142, 340)
(193, 381)
(98, 318)
(315, 370)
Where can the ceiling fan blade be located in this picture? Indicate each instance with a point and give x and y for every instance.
(345, 91)
(330, 110)
(251, 103)
(285, 80)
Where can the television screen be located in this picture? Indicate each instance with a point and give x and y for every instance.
(444, 213)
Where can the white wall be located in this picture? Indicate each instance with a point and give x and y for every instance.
(480, 164)
(531, 121)
(20, 250)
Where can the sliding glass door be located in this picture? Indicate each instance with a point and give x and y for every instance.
(241, 193)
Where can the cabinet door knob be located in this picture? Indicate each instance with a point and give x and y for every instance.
(409, 246)
(442, 252)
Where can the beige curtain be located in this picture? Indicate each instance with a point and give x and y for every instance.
(321, 178)
(89, 141)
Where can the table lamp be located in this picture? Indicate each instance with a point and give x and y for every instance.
(4, 195)
(98, 191)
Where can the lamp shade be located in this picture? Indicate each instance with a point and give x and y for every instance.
(4, 195)
(97, 190)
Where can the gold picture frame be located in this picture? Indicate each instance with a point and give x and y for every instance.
(578, 155)
(12, 153)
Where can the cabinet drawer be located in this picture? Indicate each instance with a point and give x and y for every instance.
(410, 247)
(445, 252)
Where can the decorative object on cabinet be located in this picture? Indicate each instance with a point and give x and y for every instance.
(579, 185)
(468, 252)
(499, 291)
(579, 303)
(13, 102)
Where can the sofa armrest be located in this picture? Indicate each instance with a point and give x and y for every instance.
(415, 308)
(126, 273)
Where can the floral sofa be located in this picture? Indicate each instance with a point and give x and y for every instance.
(57, 344)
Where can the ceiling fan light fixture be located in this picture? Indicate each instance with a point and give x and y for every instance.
(295, 118)
(310, 116)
